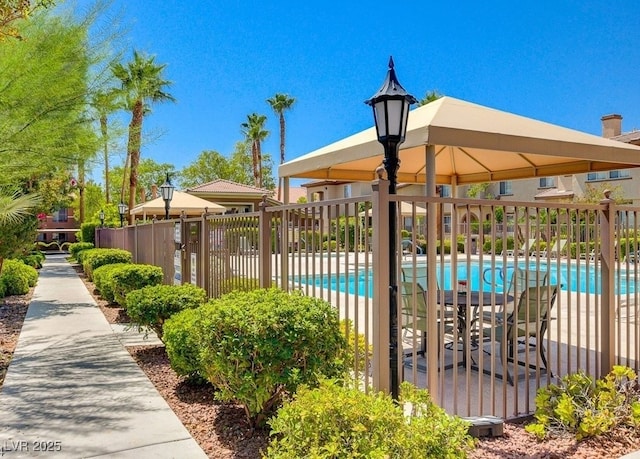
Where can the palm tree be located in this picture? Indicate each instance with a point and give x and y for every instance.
(105, 103)
(142, 84)
(14, 209)
(254, 130)
(279, 103)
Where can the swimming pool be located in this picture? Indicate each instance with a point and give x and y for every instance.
(486, 277)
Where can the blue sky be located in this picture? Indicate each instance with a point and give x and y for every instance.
(563, 62)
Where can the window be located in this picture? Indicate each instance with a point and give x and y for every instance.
(347, 191)
(446, 220)
(618, 174)
(505, 188)
(445, 191)
(60, 215)
(547, 182)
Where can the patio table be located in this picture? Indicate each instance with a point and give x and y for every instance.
(464, 302)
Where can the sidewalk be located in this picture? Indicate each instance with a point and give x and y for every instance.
(73, 390)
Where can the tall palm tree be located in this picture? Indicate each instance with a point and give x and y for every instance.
(105, 103)
(142, 85)
(279, 103)
(254, 130)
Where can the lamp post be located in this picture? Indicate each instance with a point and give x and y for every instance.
(166, 190)
(101, 217)
(390, 111)
(122, 208)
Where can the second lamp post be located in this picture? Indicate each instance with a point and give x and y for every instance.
(166, 190)
(390, 112)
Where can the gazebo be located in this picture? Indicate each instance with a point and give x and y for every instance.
(181, 202)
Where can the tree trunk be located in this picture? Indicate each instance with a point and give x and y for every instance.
(254, 157)
(135, 136)
(103, 129)
(81, 178)
(280, 180)
(259, 156)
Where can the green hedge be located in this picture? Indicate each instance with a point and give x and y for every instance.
(333, 421)
(102, 278)
(94, 258)
(88, 232)
(17, 277)
(132, 277)
(77, 247)
(35, 259)
(181, 342)
(151, 306)
(256, 346)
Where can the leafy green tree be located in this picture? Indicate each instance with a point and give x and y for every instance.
(142, 84)
(44, 88)
(211, 165)
(254, 131)
(429, 97)
(12, 11)
(150, 173)
(280, 103)
(594, 194)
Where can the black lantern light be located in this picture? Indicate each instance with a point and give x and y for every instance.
(101, 217)
(166, 190)
(122, 209)
(391, 111)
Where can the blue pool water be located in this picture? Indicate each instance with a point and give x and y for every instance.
(573, 278)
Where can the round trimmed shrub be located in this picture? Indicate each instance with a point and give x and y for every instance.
(94, 258)
(78, 247)
(151, 306)
(102, 280)
(18, 277)
(33, 259)
(334, 421)
(257, 346)
(181, 342)
(132, 277)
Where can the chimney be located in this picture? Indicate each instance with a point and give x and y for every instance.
(611, 125)
(154, 191)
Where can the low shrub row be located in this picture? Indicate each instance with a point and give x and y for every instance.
(16, 278)
(282, 356)
(78, 247)
(92, 259)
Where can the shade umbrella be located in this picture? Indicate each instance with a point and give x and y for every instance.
(181, 202)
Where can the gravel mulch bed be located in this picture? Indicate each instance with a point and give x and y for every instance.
(12, 312)
(222, 431)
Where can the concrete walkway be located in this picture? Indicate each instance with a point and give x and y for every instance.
(73, 390)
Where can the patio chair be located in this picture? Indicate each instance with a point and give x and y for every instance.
(418, 321)
(529, 320)
(525, 248)
(556, 249)
(416, 274)
(521, 279)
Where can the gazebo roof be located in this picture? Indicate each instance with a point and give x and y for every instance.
(472, 144)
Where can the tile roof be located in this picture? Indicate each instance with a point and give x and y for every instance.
(554, 193)
(628, 137)
(295, 193)
(227, 186)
